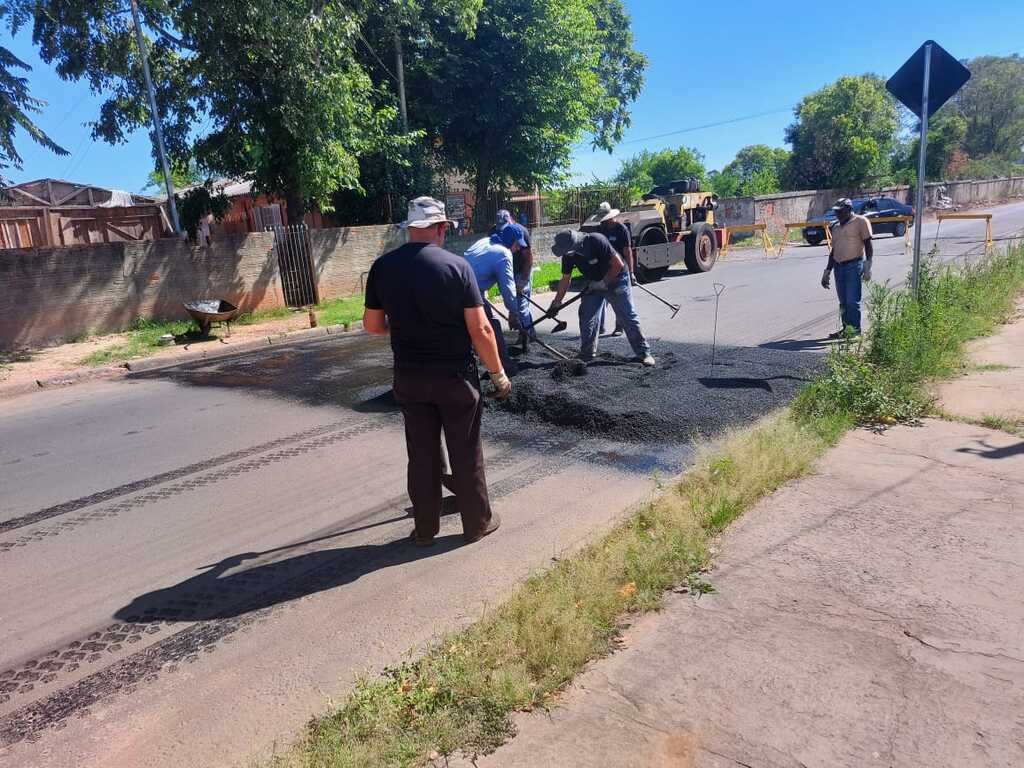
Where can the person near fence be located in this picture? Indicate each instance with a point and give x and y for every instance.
(607, 282)
(428, 301)
(850, 259)
(622, 241)
(493, 261)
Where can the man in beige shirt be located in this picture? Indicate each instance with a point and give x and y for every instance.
(851, 259)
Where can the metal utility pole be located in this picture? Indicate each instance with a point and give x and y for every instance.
(922, 150)
(155, 115)
(400, 73)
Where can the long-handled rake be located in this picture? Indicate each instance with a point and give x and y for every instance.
(674, 307)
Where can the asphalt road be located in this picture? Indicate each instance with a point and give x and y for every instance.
(195, 560)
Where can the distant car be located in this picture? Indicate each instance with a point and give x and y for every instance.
(872, 208)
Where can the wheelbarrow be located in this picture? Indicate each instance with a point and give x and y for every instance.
(206, 312)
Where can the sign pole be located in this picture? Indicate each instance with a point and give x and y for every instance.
(919, 208)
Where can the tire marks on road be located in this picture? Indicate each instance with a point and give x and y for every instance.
(234, 603)
(175, 474)
(324, 437)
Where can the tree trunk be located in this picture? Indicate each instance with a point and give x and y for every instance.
(482, 213)
(295, 205)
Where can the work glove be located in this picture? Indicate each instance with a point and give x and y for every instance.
(501, 386)
(826, 278)
(865, 274)
(556, 305)
(597, 285)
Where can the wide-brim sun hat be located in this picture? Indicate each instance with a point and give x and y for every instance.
(426, 212)
(606, 212)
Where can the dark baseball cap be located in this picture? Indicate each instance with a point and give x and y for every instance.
(566, 241)
(512, 234)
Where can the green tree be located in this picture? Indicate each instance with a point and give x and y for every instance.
(275, 84)
(844, 135)
(992, 103)
(182, 175)
(15, 105)
(947, 130)
(757, 170)
(506, 104)
(647, 169)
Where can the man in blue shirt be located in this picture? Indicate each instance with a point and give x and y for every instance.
(492, 261)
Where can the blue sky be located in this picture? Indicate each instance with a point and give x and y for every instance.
(720, 62)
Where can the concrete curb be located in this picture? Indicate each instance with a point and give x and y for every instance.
(227, 350)
(68, 379)
(146, 364)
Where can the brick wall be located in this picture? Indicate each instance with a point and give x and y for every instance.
(342, 256)
(48, 294)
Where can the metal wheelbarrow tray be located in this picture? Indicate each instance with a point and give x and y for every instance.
(206, 312)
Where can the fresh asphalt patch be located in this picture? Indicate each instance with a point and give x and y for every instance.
(681, 399)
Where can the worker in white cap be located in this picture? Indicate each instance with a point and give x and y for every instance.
(622, 241)
(428, 301)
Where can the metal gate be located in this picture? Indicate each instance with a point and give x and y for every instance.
(295, 265)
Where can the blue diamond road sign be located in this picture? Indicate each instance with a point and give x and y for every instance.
(947, 77)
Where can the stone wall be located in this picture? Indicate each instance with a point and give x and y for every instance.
(50, 294)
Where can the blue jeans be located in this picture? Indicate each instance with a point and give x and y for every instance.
(620, 296)
(848, 287)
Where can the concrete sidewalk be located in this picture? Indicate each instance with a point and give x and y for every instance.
(872, 614)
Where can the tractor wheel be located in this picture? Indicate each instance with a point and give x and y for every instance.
(701, 248)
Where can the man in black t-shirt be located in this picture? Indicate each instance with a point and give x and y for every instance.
(606, 281)
(428, 301)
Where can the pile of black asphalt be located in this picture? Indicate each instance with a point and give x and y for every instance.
(680, 399)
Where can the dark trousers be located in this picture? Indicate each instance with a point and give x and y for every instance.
(432, 401)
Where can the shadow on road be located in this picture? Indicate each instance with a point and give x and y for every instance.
(228, 589)
(987, 451)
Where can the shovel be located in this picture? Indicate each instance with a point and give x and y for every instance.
(560, 325)
(554, 352)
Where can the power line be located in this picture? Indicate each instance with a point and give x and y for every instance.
(380, 61)
(710, 125)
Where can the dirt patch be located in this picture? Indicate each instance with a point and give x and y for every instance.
(679, 399)
(30, 366)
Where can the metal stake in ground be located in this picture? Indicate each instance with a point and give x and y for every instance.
(719, 290)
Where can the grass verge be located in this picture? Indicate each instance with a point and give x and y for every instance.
(460, 694)
(884, 379)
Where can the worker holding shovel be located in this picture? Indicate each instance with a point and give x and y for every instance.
(607, 282)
